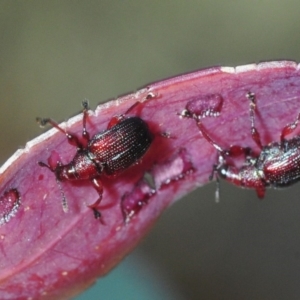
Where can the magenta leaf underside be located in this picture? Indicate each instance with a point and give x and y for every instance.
(48, 253)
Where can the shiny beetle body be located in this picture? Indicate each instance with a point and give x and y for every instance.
(276, 165)
(109, 152)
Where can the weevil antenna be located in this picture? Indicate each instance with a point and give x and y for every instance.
(217, 192)
(213, 174)
(85, 134)
(63, 197)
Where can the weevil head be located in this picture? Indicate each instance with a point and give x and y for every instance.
(65, 172)
(62, 172)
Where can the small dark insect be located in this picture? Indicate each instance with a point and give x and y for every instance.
(109, 152)
(277, 164)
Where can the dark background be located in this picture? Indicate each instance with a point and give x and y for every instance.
(53, 54)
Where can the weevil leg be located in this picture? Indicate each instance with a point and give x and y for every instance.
(97, 184)
(117, 119)
(289, 128)
(136, 104)
(254, 132)
(214, 173)
(85, 133)
(261, 191)
(217, 191)
(150, 96)
(72, 139)
(234, 150)
(221, 152)
(208, 138)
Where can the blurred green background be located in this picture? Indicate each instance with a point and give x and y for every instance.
(53, 54)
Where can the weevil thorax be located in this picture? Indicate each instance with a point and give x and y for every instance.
(82, 167)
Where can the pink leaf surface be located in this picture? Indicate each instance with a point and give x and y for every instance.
(47, 253)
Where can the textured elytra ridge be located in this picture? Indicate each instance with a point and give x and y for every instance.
(74, 246)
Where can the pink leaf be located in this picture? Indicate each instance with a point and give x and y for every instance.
(47, 253)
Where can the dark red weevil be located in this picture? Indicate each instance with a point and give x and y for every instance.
(277, 164)
(109, 152)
